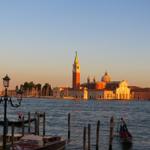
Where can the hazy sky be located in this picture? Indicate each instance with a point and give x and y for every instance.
(38, 40)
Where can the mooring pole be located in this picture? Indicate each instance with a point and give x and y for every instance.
(89, 137)
(84, 138)
(23, 126)
(38, 124)
(111, 132)
(35, 123)
(69, 116)
(12, 134)
(29, 122)
(44, 119)
(97, 135)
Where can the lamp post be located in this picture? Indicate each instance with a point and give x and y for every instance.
(6, 99)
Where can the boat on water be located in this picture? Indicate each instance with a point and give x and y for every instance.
(35, 142)
(124, 134)
(17, 123)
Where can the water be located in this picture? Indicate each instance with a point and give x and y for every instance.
(136, 114)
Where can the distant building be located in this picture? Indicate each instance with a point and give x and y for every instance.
(100, 94)
(81, 93)
(104, 89)
(60, 92)
(76, 73)
(119, 88)
(139, 93)
(9, 92)
(107, 89)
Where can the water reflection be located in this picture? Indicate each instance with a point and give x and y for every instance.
(126, 146)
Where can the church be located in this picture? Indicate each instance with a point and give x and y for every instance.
(103, 89)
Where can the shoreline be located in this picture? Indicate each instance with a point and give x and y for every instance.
(75, 99)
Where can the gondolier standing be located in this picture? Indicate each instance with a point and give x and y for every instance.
(124, 133)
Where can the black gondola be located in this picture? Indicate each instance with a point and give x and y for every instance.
(124, 134)
(17, 123)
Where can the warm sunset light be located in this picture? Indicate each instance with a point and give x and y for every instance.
(38, 41)
(74, 74)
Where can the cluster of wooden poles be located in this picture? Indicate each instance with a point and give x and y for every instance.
(87, 134)
(36, 120)
(86, 130)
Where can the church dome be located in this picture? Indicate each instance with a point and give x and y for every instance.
(106, 78)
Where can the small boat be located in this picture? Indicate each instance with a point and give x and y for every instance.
(124, 134)
(35, 142)
(18, 123)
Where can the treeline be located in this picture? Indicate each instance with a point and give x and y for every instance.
(30, 89)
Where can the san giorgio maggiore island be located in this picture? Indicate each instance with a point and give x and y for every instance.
(106, 89)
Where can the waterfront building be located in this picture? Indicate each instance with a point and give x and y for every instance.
(100, 94)
(113, 90)
(104, 89)
(107, 89)
(60, 92)
(120, 89)
(9, 92)
(139, 93)
(81, 93)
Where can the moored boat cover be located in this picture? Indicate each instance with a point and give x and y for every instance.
(29, 142)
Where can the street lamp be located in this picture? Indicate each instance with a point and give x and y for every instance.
(6, 99)
(6, 80)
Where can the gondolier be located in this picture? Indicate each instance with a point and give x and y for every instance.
(124, 134)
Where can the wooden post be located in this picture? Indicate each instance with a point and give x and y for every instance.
(69, 127)
(89, 137)
(97, 135)
(44, 119)
(23, 126)
(29, 122)
(111, 132)
(38, 124)
(12, 134)
(84, 138)
(35, 123)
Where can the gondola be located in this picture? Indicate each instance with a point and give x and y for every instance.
(18, 123)
(124, 134)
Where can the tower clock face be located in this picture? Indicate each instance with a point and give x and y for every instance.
(76, 68)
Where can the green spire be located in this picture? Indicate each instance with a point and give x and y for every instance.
(76, 61)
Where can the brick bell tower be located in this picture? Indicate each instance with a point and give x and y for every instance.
(76, 73)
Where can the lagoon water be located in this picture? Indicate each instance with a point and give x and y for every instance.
(136, 114)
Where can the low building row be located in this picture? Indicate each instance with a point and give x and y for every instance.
(113, 90)
(99, 94)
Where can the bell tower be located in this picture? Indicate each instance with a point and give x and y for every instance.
(76, 73)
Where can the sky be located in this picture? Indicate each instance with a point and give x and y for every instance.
(38, 40)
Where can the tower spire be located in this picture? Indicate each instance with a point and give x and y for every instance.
(76, 60)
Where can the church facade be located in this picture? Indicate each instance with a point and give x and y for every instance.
(107, 89)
